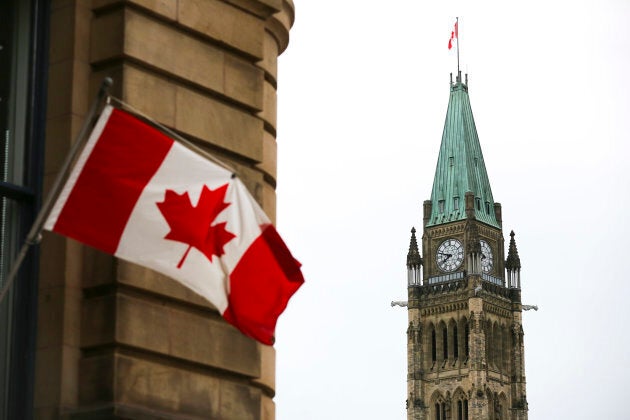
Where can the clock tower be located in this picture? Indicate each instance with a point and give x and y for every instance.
(465, 336)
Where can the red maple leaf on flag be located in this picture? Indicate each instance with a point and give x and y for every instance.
(193, 224)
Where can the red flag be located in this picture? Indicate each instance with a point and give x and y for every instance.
(139, 195)
(453, 36)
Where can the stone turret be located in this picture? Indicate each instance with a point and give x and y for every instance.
(414, 261)
(513, 264)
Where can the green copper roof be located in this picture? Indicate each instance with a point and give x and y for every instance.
(460, 167)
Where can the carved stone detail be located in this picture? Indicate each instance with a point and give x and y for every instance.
(447, 230)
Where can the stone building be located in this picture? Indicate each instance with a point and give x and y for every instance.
(84, 335)
(465, 335)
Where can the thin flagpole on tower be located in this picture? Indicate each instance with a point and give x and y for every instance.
(457, 37)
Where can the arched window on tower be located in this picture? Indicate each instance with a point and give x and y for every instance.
(439, 409)
(444, 343)
(467, 340)
(441, 341)
(489, 342)
(462, 338)
(498, 346)
(462, 409)
(433, 347)
(455, 343)
(430, 351)
(461, 405)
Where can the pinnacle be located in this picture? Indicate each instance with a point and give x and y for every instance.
(413, 257)
(513, 261)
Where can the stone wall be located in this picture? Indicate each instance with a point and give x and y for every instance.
(114, 339)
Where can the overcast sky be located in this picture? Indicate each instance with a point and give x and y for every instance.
(363, 90)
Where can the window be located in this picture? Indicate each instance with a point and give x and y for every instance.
(489, 343)
(487, 207)
(498, 346)
(444, 343)
(433, 347)
(441, 206)
(23, 25)
(455, 203)
(462, 409)
(478, 203)
(466, 339)
(440, 411)
(498, 411)
(455, 343)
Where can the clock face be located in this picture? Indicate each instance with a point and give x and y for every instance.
(486, 257)
(450, 255)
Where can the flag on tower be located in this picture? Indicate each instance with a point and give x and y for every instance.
(137, 194)
(453, 36)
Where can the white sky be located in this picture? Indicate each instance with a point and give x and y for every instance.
(363, 92)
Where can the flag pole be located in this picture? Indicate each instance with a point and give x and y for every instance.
(457, 37)
(34, 235)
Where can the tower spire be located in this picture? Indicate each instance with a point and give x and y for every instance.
(460, 168)
(513, 264)
(414, 260)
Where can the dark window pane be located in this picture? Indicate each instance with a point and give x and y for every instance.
(455, 343)
(444, 343)
(22, 114)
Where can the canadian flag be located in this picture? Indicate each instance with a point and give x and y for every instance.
(139, 195)
(454, 35)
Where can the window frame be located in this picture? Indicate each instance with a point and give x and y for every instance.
(21, 184)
